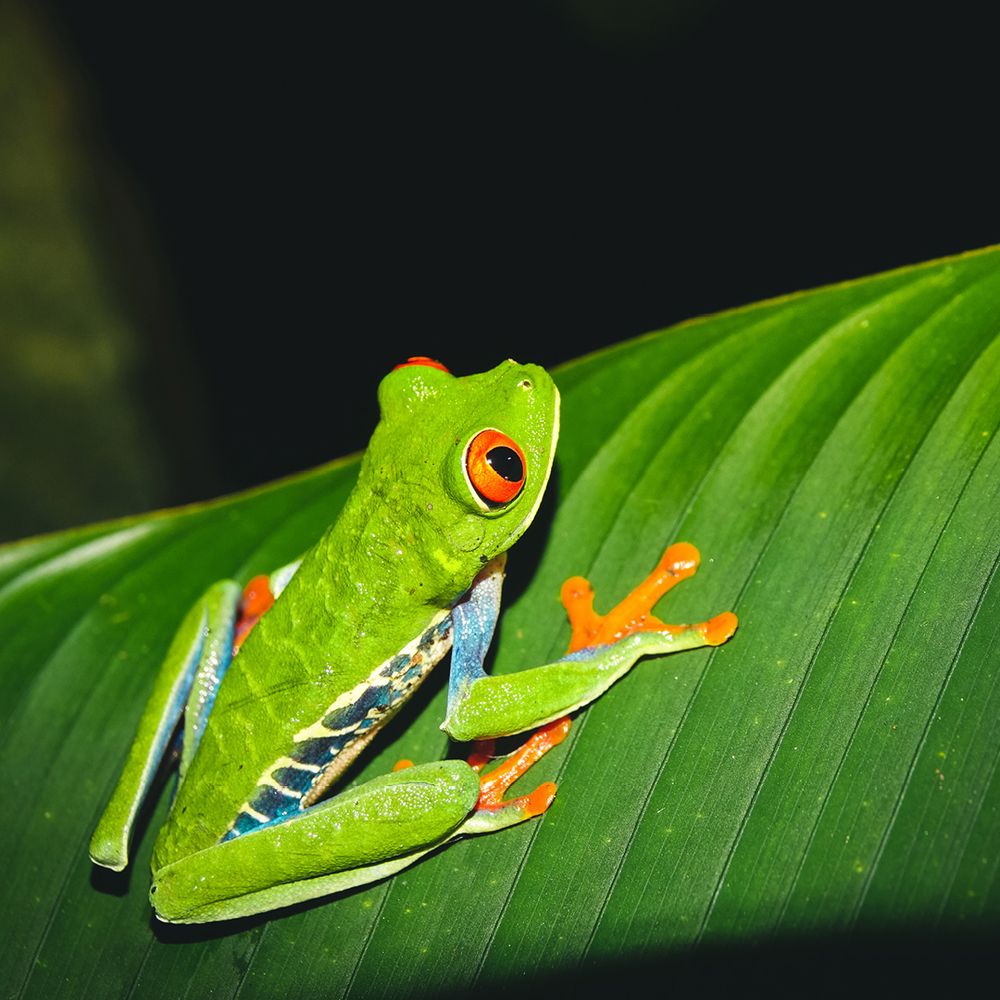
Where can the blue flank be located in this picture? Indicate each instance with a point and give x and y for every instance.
(349, 722)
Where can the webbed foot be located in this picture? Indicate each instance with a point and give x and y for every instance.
(492, 810)
(634, 613)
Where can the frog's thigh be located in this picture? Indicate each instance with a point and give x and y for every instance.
(360, 836)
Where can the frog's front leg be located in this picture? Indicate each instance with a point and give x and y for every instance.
(602, 649)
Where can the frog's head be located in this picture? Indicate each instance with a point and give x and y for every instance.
(473, 454)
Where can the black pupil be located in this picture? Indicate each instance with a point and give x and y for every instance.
(506, 462)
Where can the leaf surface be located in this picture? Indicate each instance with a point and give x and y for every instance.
(832, 769)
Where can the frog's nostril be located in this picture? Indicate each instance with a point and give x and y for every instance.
(525, 383)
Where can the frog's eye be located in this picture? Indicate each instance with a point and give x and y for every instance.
(495, 465)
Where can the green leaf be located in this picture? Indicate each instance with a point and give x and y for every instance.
(831, 770)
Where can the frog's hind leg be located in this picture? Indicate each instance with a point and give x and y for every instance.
(221, 610)
(199, 652)
(360, 836)
(196, 661)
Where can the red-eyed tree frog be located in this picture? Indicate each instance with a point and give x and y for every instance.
(273, 689)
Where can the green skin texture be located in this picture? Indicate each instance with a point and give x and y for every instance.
(409, 542)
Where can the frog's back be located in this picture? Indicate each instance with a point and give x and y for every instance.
(313, 682)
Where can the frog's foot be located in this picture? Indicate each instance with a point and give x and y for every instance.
(493, 812)
(483, 751)
(257, 598)
(634, 614)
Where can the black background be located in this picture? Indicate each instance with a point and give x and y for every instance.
(326, 191)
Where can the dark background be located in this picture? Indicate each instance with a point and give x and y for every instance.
(322, 192)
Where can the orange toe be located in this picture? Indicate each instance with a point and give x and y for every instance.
(492, 786)
(718, 629)
(635, 612)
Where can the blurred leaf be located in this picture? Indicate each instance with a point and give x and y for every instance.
(831, 769)
(76, 436)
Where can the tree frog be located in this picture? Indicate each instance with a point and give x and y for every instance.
(271, 690)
